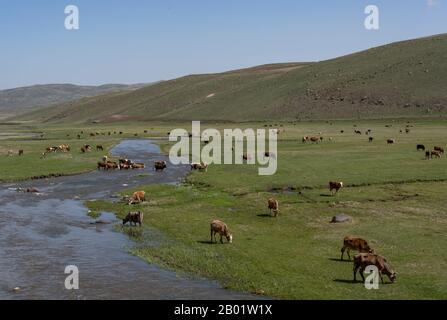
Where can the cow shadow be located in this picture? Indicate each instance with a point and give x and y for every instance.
(265, 215)
(326, 195)
(205, 242)
(339, 260)
(347, 281)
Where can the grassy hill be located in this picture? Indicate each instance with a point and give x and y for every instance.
(400, 79)
(17, 100)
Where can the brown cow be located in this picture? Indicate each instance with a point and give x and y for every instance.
(20, 153)
(99, 148)
(362, 260)
(391, 141)
(126, 161)
(102, 165)
(203, 166)
(273, 205)
(427, 155)
(357, 244)
(436, 154)
(137, 197)
(160, 165)
(334, 185)
(222, 229)
(138, 166)
(134, 217)
(112, 165)
(441, 150)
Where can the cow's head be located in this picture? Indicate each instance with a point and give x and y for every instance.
(392, 276)
(341, 184)
(229, 237)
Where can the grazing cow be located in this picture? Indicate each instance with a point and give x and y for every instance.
(314, 139)
(160, 165)
(441, 150)
(371, 139)
(79, 136)
(137, 197)
(407, 130)
(305, 139)
(134, 217)
(203, 166)
(63, 148)
(436, 154)
(357, 131)
(20, 153)
(357, 244)
(391, 141)
(427, 155)
(420, 147)
(334, 185)
(342, 131)
(222, 229)
(273, 205)
(99, 148)
(362, 260)
(138, 166)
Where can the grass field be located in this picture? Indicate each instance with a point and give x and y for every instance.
(396, 198)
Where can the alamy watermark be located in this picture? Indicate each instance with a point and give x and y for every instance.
(72, 280)
(232, 151)
(72, 17)
(372, 20)
(372, 280)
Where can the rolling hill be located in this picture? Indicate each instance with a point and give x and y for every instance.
(19, 100)
(403, 79)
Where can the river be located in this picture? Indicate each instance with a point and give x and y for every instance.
(41, 234)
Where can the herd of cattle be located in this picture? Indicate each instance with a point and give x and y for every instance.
(366, 255)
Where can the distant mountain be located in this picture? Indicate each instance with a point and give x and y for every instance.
(18, 100)
(403, 79)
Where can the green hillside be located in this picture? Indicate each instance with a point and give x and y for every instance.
(401, 79)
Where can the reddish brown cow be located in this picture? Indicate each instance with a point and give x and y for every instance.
(138, 166)
(357, 244)
(363, 260)
(273, 205)
(222, 229)
(137, 197)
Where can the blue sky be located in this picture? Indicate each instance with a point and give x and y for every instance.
(148, 40)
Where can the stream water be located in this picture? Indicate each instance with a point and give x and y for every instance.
(41, 234)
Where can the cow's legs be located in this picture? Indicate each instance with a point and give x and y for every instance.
(363, 276)
(381, 277)
(342, 252)
(355, 273)
(221, 239)
(349, 256)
